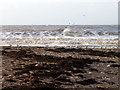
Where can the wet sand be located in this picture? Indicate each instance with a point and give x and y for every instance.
(27, 68)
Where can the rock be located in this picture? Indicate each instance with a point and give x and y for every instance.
(80, 75)
(114, 65)
(63, 78)
(31, 72)
(10, 80)
(108, 65)
(87, 82)
(4, 74)
(73, 79)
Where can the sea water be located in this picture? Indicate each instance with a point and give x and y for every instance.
(86, 36)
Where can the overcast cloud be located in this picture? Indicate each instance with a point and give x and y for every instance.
(58, 12)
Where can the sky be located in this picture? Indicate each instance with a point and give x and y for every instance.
(58, 12)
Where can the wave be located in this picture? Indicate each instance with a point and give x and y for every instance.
(61, 41)
(63, 33)
(62, 37)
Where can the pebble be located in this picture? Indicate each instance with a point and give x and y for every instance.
(31, 72)
(90, 72)
(108, 65)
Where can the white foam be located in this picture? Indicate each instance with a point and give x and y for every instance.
(45, 38)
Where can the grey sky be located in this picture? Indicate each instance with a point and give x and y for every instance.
(59, 12)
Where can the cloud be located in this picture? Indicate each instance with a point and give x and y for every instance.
(58, 11)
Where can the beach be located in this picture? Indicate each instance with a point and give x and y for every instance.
(59, 67)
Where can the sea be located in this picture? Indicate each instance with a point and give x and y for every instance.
(84, 36)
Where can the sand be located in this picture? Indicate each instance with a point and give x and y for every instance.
(54, 67)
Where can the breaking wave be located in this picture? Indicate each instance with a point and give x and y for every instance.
(66, 37)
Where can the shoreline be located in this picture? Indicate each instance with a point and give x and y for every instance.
(59, 67)
(57, 46)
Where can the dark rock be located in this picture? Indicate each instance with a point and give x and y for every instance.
(63, 77)
(10, 80)
(93, 69)
(87, 82)
(115, 65)
(111, 62)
